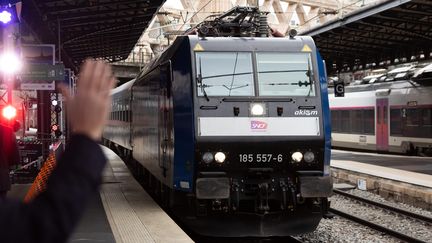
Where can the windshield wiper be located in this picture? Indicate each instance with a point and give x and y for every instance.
(231, 88)
(199, 81)
(224, 75)
(285, 71)
(232, 80)
(299, 83)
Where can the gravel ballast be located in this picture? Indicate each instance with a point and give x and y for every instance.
(406, 225)
(342, 230)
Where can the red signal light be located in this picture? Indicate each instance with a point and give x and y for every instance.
(9, 112)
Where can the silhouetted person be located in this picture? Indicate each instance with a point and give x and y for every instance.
(53, 214)
(9, 156)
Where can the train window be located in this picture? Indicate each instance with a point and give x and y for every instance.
(357, 121)
(345, 122)
(412, 117)
(335, 117)
(427, 117)
(369, 121)
(284, 74)
(395, 122)
(225, 74)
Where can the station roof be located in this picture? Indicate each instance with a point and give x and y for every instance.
(106, 29)
(382, 32)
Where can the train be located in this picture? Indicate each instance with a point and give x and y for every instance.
(231, 133)
(385, 117)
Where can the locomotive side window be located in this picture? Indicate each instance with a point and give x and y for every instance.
(224, 74)
(285, 74)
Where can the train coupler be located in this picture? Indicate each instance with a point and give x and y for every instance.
(263, 197)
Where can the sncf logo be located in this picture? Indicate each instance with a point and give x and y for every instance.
(258, 125)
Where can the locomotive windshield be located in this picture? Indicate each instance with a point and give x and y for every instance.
(225, 74)
(231, 74)
(285, 74)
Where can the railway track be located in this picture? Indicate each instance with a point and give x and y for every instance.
(376, 226)
(385, 206)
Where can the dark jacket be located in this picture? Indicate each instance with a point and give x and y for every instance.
(53, 214)
(9, 155)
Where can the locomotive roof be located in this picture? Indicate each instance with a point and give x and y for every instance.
(295, 44)
(276, 44)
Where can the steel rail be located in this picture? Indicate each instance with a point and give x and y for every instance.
(377, 227)
(293, 239)
(385, 206)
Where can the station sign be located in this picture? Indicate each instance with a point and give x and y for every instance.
(39, 71)
(339, 89)
(42, 72)
(38, 86)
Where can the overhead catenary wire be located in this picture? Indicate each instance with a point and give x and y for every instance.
(205, 5)
(185, 21)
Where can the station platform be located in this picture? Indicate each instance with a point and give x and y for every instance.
(406, 163)
(402, 178)
(121, 212)
(131, 212)
(384, 172)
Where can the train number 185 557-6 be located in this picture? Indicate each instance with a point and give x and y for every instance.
(260, 158)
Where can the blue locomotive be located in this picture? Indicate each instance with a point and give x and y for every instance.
(232, 133)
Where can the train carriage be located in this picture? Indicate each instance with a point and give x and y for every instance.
(386, 117)
(233, 133)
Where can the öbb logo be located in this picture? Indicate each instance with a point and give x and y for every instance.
(258, 125)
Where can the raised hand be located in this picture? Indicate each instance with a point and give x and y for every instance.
(88, 109)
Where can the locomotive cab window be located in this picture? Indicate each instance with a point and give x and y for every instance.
(224, 74)
(285, 74)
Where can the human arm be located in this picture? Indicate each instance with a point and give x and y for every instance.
(53, 214)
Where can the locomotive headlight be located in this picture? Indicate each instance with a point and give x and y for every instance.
(257, 109)
(207, 157)
(297, 156)
(309, 157)
(220, 157)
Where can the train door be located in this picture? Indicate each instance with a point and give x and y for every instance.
(382, 127)
(165, 119)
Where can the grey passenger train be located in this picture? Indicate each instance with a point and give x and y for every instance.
(233, 133)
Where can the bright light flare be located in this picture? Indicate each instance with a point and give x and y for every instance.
(297, 157)
(5, 17)
(220, 157)
(9, 112)
(10, 63)
(257, 109)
